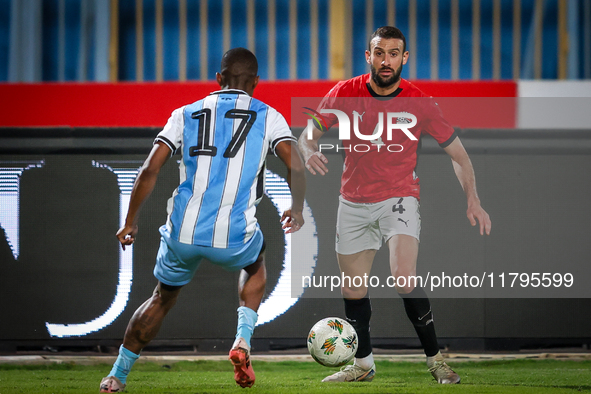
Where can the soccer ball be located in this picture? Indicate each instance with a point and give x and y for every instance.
(332, 342)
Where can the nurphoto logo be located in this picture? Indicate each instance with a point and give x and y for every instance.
(400, 121)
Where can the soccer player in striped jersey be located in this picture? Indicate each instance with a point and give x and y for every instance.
(379, 199)
(223, 140)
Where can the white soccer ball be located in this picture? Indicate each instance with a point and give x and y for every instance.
(332, 342)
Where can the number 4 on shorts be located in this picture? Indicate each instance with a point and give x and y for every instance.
(398, 207)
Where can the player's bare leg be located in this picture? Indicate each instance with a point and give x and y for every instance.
(252, 282)
(358, 312)
(352, 265)
(148, 318)
(142, 328)
(404, 251)
(251, 287)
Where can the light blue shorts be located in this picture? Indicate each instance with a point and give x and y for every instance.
(177, 262)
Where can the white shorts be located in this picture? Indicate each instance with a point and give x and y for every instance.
(362, 226)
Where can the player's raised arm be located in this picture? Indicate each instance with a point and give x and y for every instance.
(142, 188)
(288, 152)
(465, 173)
(314, 159)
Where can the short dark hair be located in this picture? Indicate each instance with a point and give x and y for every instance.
(388, 32)
(239, 61)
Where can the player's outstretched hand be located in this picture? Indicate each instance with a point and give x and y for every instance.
(475, 214)
(292, 221)
(126, 235)
(316, 164)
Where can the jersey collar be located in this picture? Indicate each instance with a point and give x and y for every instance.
(229, 91)
(388, 96)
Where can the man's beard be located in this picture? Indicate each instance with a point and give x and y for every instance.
(386, 82)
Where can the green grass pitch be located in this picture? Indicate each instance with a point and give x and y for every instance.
(518, 376)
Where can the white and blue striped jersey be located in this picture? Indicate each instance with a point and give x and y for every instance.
(223, 139)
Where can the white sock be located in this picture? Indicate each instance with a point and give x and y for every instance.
(365, 362)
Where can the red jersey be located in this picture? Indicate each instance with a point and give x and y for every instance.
(379, 168)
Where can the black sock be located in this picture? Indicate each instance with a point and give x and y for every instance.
(358, 313)
(418, 310)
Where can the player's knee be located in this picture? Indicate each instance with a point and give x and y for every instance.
(257, 268)
(406, 281)
(166, 295)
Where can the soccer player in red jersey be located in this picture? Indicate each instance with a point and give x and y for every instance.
(380, 190)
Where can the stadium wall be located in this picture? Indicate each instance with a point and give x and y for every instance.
(150, 104)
